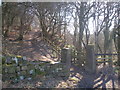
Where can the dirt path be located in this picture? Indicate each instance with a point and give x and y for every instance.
(33, 49)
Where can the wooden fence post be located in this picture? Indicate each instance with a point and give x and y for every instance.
(90, 64)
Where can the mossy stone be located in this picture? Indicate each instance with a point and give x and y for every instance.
(23, 73)
(3, 60)
(31, 72)
(30, 66)
(24, 61)
(8, 60)
(36, 66)
(24, 68)
(3, 72)
(38, 72)
(12, 69)
(12, 76)
(18, 68)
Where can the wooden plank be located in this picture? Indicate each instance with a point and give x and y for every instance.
(107, 54)
(103, 58)
(103, 61)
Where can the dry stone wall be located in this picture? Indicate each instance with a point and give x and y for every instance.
(17, 68)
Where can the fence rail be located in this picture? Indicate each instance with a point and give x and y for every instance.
(108, 54)
(100, 60)
(103, 61)
(103, 58)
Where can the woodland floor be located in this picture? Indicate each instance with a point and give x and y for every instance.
(105, 77)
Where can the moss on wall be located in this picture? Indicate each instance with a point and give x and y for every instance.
(30, 69)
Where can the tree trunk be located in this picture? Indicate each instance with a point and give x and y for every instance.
(119, 46)
(6, 31)
(81, 29)
(75, 32)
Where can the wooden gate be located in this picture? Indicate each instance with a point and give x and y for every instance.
(92, 59)
(105, 58)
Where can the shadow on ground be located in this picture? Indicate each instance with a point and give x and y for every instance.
(103, 78)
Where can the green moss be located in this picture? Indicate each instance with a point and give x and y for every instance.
(24, 68)
(116, 69)
(23, 73)
(30, 66)
(0, 68)
(12, 77)
(11, 69)
(38, 72)
(42, 64)
(18, 68)
(3, 60)
(8, 65)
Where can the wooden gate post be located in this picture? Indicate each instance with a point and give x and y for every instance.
(90, 64)
(66, 58)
